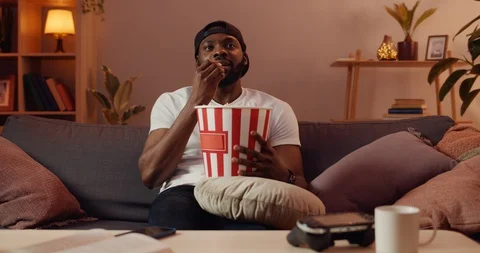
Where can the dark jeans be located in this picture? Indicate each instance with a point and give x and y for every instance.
(177, 207)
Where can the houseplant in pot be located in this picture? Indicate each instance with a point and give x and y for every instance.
(115, 107)
(408, 49)
(469, 74)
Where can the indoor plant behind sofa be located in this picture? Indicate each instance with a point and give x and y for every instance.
(98, 163)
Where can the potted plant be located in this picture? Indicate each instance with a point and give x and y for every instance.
(408, 49)
(94, 6)
(116, 109)
(470, 74)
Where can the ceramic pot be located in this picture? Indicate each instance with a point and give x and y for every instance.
(407, 50)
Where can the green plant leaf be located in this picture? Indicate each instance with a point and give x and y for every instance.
(101, 98)
(123, 107)
(468, 100)
(474, 35)
(423, 17)
(475, 70)
(111, 116)
(466, 26)
(466, 86)
(474, 48)
(135, 109)
(403, 12)
(111, 81)
(395, 15)
(450, 82)
(440, 67)
(411, 13)
(123, 94)
(466, 60)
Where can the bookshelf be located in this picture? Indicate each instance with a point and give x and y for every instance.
(355, 62)
(32, 51)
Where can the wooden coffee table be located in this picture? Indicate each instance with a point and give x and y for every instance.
(241, 241)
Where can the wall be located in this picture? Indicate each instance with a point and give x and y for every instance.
(291, 44)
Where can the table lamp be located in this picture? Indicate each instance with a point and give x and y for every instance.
(59, 24)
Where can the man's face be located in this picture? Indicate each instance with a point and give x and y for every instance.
(226, 50)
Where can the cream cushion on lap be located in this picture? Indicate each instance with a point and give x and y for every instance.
(255, 199)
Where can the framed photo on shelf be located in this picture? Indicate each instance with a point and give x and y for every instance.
(436, 47)
(7, 91)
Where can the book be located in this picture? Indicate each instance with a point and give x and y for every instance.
(407, 106)
(98, 240)
(32, 96)
(51, 83)
(405, 111)
(409, 101)
(403, 116)
(52, 105)
(66, 96)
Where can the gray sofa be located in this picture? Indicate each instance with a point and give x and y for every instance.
(98, 163)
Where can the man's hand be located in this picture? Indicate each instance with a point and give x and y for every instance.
(266, 162)
(208, 76)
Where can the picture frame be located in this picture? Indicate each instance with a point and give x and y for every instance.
(7, 93)
(436, 47)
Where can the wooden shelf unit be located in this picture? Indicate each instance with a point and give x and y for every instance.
(33, 52)
(355, 62)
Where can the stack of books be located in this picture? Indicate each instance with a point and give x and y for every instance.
(46, 94)
(406, 108)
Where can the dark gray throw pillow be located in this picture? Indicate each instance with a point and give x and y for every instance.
(379, 173)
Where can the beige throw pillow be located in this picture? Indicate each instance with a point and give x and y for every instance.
(260, 200)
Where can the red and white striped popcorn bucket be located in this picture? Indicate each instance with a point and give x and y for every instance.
(223, 127)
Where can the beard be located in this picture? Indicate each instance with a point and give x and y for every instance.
(233, 75)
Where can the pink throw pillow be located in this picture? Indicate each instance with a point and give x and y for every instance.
(450, 200)
(30, 195)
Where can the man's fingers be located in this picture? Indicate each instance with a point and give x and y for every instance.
(206, 72)
(204, 65)
(256, 155)
(263, 143)
(217, 73)
(259, 138)
(249, 163)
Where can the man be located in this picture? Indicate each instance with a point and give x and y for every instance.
(172, 158)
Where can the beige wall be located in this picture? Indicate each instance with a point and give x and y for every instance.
(291, 44)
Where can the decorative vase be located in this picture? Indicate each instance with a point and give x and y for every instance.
(407, 50)
(387, 50)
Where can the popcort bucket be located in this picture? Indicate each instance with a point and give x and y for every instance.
(223, 127)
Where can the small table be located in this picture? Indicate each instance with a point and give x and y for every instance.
(355, 62)
(242, 241)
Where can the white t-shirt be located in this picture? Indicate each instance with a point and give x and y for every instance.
(283, 128)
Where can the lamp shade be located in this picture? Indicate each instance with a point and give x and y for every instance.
(59, 22)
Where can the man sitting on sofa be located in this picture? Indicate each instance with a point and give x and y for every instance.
(172, 159)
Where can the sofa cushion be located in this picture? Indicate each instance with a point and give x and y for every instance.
(450, 200)
(460, 142)
(97, 163)
(261, 200)
(379, 173)
(324, 144)
(30, 195)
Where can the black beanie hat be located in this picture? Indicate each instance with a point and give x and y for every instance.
(221, 27)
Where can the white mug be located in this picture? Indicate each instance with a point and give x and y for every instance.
(397, 229)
